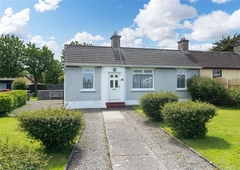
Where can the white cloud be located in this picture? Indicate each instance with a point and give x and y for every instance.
(85, 37)
(193, 1)
(160, 18)
(215, 25)
(201, 47)
(50, 43)
(46, 5)
(220, 1)
(168, 44)
(16, 24)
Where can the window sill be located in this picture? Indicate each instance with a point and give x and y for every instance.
(142, 90)
(88, 90)
(182, 89)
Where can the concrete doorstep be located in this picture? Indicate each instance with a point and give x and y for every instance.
(127, 149)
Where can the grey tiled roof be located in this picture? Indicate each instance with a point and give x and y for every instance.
(75, 54)
(227, 60)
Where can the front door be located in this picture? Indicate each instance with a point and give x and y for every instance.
(114, 86)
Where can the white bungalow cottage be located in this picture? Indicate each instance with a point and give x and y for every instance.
(100, 77)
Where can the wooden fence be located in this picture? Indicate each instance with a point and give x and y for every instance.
(229, 83)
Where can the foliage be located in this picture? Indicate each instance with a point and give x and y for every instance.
(61, 79)
(12, 99)
(55, 128)
(152, 103)
(6, 103)
(37, 61)
(234, 97)
(21, 157)
(225, 44)
(11, 52)
(19, 84)
(188, 119)
(52, 74)
(208, 90)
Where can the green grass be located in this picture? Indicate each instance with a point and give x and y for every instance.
(9, 131)
(222, 142)
(33, 98)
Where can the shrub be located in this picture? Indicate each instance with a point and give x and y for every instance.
(20, 97)
(151, 103)
(19, 84)
(234, 97)
(208, 90)
(6, 103)
(53, 127)
(21, 157)
(188, 119)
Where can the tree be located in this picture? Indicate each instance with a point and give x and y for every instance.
(225, 44)
(52, 74)
(11, 51)
(37, 60)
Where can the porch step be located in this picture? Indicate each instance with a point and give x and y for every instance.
(115, 104)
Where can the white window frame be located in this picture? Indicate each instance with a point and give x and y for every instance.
(142, 72)
(87, 72)
(218, 74)
(182, 72)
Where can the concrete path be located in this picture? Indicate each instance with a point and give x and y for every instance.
(126, 147)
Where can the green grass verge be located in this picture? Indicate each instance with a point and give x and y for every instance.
(221, 144)
(33, 98)
(9, 131)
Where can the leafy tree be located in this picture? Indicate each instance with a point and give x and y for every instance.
(225, 44)
(11, 51)
(37, 60)
(51, 76)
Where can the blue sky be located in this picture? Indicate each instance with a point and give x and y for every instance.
(141, 23)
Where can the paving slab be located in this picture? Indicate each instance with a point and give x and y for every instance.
(127, 149)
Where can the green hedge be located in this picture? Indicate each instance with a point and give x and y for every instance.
(55, 128)
(6, 103)
(21, 157)
(11, 100)
(188, 119)
(208, 90)
(152, 103)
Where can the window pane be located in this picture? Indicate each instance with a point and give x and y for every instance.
(116, 83)
(217, 73)
(87, 70)
(147, 71)
(87, 80)
(143, 81)
(137, 71)
(111, 83)
(181, 81)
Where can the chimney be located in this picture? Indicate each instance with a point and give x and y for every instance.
(183, 44)
(115, 40)
(236, 47)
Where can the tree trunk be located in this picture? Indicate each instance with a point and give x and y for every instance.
(35, 86)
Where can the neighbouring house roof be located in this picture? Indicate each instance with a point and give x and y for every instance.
(7, 79)
(99, 55)
(220, 60)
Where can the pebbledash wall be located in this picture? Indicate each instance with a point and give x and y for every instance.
(75, 97)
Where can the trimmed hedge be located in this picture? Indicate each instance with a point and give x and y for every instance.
(11, 100)
(188, 119)
(208, 90)
(21, 157)
(54, 127)
(152, 103)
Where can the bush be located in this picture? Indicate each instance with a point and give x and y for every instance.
(152, 103)
(21, 157)
(55, 128)
(234, 97)
(6, 103)
(208, 90)
(188, 119)
(20, 97)
(19, 84)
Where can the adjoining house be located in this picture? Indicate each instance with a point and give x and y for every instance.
(217, 64)
(99, 77)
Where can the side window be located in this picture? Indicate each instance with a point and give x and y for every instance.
(88, 78)
(142, 79)
(217, 73)
(181, 79)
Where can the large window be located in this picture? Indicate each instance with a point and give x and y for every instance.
(2, 86)
(217, 73)
(142, 79)
(181, 79)
(88, 77)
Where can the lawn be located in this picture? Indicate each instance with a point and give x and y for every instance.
(9, 131)
(222, 143)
